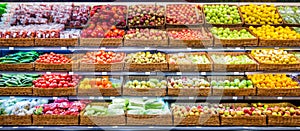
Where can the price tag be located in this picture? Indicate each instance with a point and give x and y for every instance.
(39, 127)
(237, 48)
(112, 97)
(151, 126)
(203, 73)
(276, 48)
(63, 48)
(279, 98)
(198, 127)
(147, 73)
(90, 127)
(104, 73)
(1, 126)
(54, 98)
(191, 98)
(145, 97)
(209, 48)
(147, 48)
(188, 48)
(179, 73)
(92, 98)
(71, 73)
(15, 127)
(236, 73)
(234, 97)
(103, 48)
(114, 126)
(11, 97)
(48, 73)
(11, 48)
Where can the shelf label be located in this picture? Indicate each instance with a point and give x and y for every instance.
(151, 126)
(279, 98)
(15, 127)
(48, 73)
(54, 98)
(63, 48)
(236, 73)
(276, 48)
(188, 48)
(11, 97)
(114, 126)
(103, 48)
(90, 127)
(147, 48)
(71, 73)
(145, 97)
(104, 73)
(237, 48)
(100, 98)
(1, 126)
(203, 73)
(234, 97)
(198, 127)
(147, 73)
(92, 98)
(11, 48)
(39, 127)
(112, 97)
(178, 73)
(191, 98)
(209, 48)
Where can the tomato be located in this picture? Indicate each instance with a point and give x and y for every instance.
(43, 85)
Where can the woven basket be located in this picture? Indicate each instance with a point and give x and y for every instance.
(224, 25)
(149, 119)
(17, 67)
(144, 91)
(13, 42)
(278, 92)
(234, 67)
(53, 67)
(146, 43)
(102, 120)
(274, 42)
(70, 91)
(191, 67)
(257, 25)
(283, 120)
(101, 42)
(244, 121)
(187, 25)
(146, 67)
(205, 120)
(101, 67)
(236, 42)
(56, 41)
(15, 91)
(100, 92)
(55, 120)
(15, 120)
(190, 43)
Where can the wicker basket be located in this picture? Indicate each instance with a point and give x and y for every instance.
(53, 67)
(233, 67)
(144, 91)
(146, 67)
(102, 120)
(101, 42)
(257, 25)
(16, 91)
(204, 119)
(13, 42)
(70, 91)
(224, 25)
(101, 67)
(236, 42)
(200, 43)
(277, 42)
(278, 92)
(188, 91)
(149, 119)
(191, 67)
(146, 43)
(168, 25)
(244, 121)
(282, 120)
(231, 92)
(55, 120)
(56, 42)
(17, 67)
(100, 92)
(15, 120)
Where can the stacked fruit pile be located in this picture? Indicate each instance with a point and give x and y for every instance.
(290, 14)
(104, 82)
(222, 14)
(146, 34)
(182, 58)
(235, 84)
(274, 81)
(189, 34)
(53, 58)
(17, 80)
(230, 59)
(271, 32)
(184, 14)
(57, 81)
(188, 82)
(231, 34)
(102, 57)
(274, 57)
(146, 58)
(151, 83)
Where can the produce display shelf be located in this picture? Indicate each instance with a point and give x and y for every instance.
(286, 98)
(166, 49)
(138, 128)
